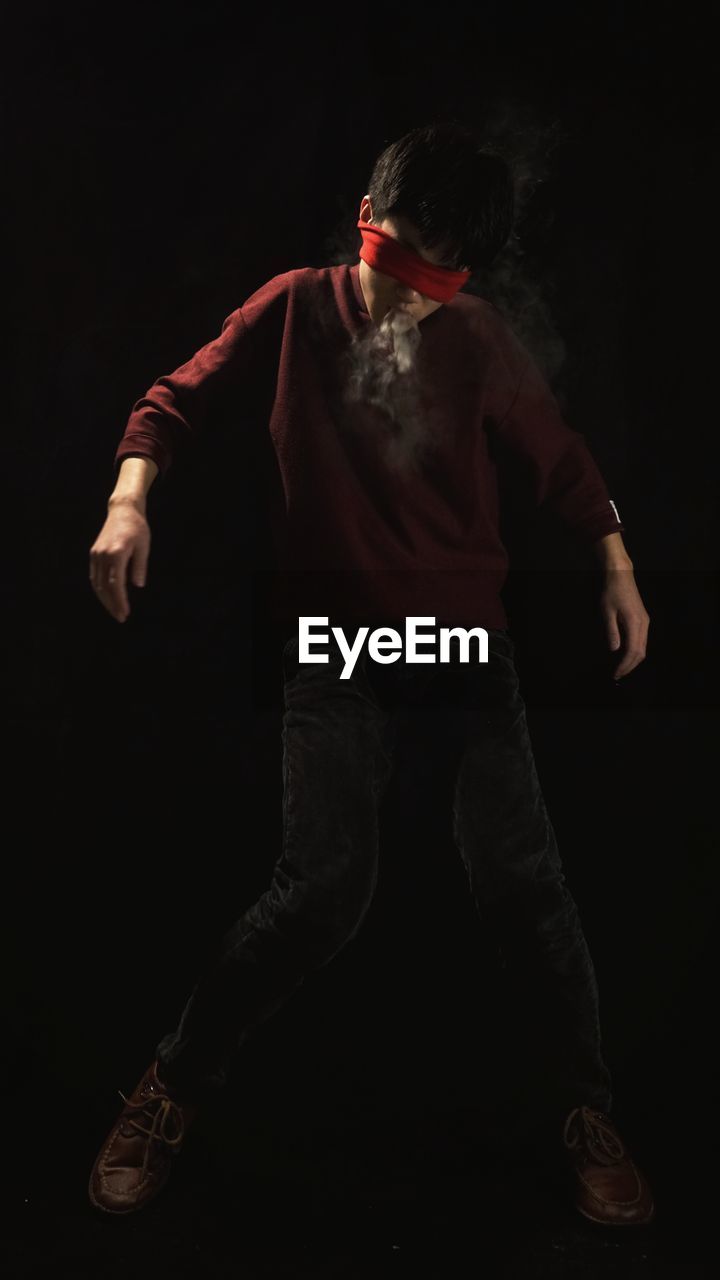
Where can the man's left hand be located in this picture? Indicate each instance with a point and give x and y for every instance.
(626, 618)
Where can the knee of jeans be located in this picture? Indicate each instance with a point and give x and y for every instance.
(334, 916)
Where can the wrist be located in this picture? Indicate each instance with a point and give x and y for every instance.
(136, 500)
(617, 564)
(612, 553)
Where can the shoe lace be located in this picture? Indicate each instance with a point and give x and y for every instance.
(595, 1133)
(164, 1116)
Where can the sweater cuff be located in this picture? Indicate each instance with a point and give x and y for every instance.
(149, 449)
(599, 525)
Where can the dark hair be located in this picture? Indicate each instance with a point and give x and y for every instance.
(458, 195)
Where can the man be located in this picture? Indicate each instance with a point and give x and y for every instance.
(385, 395)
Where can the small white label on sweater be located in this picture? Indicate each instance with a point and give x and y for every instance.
(617, 516)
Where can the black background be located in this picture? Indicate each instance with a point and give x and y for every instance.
(162, 164)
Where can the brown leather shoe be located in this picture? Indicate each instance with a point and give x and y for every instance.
(136, 1158)
(609, 1187)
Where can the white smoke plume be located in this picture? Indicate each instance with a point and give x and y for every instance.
(382, 373)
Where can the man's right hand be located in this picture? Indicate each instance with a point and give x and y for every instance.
(124, 539)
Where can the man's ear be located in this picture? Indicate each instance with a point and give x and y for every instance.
(368, 214)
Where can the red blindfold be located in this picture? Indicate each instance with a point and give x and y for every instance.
(382, 252)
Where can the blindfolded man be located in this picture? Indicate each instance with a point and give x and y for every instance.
(385, 393)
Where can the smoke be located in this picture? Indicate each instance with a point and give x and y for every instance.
(381, 371)
(517, 282)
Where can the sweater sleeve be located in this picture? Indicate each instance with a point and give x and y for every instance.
(180, 403)
(563, 474)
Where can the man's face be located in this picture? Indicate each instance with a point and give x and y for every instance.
(382, 292)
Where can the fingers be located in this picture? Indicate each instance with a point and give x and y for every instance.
(613, 633)
(631, 660)
(108, 579)
(635, 648)
(138, 566)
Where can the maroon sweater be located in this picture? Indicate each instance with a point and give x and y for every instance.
(354, 538)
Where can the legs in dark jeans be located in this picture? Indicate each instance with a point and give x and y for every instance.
(337, 756)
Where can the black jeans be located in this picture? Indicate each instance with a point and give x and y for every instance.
(338, 738)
